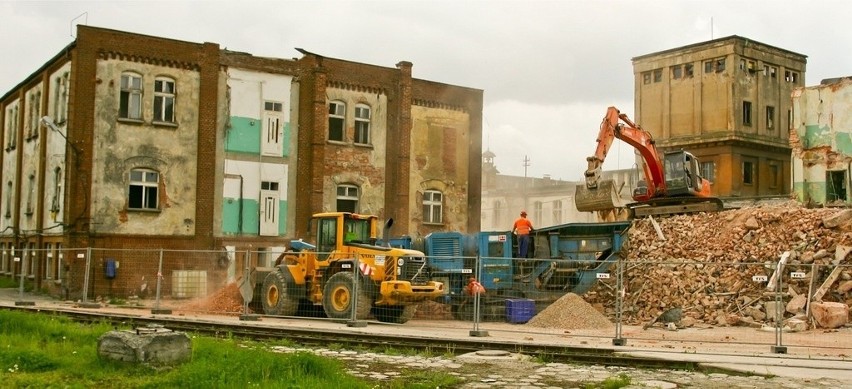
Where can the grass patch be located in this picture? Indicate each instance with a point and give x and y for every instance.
(12, 282)
(617, 382)
(39, 350)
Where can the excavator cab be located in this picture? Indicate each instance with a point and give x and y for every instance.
(681, 175)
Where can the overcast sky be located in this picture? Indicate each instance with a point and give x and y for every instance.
(548, 69)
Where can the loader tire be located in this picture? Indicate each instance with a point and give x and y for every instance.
(339, 298)
(280, 296)
(398, 314)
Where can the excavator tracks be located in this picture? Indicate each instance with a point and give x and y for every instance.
(674, 206)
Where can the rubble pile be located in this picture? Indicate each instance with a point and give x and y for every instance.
(226, 301)
(706, 264)
(570, 312)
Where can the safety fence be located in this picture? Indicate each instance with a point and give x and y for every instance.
(776, 304)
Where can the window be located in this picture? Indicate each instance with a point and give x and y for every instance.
(59, 258)
(35, 114)
(8, 199)
(30, 193)
(791, 77)
(49, 272)
(130, 101)
(770, 118)
(273, 106)
(57, 187)
(11, 127)
(773, 72)
(347, 198)
(336, 120)
(677, 72)
(708, 170)
(557, 212)
(646, 78)
(164, 100)
(144, 185)
(658, 75)
(789, 118)
(362, 124)
(748, 173)
(720, 65)
(708, 66)
(60, 98)
(747, 113)
(432, 207)
(750, 67)
(688, 70)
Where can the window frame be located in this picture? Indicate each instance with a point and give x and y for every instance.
(362, 124)
(351, 193)
(748, 173)
(128, 94)
(336, 120)
(163, 112)
(770, 118)
(746, 112)
(148, 190)
(433, 207)
(708, 170)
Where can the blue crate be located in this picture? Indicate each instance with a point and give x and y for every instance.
(519, 310)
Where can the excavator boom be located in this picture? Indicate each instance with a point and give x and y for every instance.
(671, 181)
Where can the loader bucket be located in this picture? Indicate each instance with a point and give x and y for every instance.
(602, 198)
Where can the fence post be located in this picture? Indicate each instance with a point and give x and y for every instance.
(477, 301)
(157, 309)
(86, 303)
(247, 288)
(353, 300)
(21, 301)
(619, 301)
(778, 348)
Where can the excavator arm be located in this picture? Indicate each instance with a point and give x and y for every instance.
(685, 192)
(641, 140)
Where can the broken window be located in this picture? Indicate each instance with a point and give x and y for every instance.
(720, 65)
(658, 75)
(144, 185)
(708, 66)
(774, 177)
(747, 113)
(130, 99)
(748, 173)
(336, 120)
(770, 118)
(646, 78)
(677, 72)
(688, 71)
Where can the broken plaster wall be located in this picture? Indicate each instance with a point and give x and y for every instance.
(821, 138)
(361, 165)
(121, 145)
(439, 161)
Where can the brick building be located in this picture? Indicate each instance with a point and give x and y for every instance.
(728, 102)
(151, 143)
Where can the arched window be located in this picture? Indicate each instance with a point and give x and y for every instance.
(144, 184)
(433, 208)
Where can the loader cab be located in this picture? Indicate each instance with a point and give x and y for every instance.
(338, 229)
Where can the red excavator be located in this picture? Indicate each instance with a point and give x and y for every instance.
(671, 185)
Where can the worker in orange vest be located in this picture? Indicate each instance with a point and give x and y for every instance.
(523, 228)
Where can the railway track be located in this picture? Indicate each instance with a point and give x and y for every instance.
(312, 337)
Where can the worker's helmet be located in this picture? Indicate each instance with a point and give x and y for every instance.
(523, 213)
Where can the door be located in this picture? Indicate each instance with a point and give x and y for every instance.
(269, 212)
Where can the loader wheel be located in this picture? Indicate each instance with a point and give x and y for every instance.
(398, 314)
(280, 295)
(339, 299)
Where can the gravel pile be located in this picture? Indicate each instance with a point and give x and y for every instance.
(570, 312)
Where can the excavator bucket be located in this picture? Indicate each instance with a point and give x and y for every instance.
(602, 198)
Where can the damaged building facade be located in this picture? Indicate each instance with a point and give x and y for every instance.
(821, 138)
(727, 101)
(132, 142)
